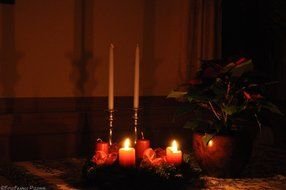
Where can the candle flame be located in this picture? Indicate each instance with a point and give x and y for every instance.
(127, 143)
(174, 145)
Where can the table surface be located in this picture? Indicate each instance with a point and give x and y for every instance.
(266, 170)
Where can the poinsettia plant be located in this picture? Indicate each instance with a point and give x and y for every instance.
(230, 93)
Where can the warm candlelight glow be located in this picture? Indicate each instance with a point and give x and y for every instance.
(174, 156)
(127, 154)
(174, 146)
(127, 143)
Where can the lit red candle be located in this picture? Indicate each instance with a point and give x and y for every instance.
(141, 146)
(127, 155)
(173, 155)
(102, 146)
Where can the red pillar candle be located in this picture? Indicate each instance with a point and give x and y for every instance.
(141, 146)
(102, 146)
(173, 155)
(127, 155)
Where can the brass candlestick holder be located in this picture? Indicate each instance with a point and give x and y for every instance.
(136, 123)
(110, 119)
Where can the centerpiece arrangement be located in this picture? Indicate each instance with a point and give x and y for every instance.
(225, 101)
(114, 166)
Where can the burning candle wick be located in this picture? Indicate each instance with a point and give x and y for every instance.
(174, 146)
(173, 155)
(127, 154)
(127, 143)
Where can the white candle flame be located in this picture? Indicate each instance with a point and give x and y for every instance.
(174, 146)
(127, 143)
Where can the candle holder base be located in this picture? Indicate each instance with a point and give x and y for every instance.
(136, 123)
(110, 125)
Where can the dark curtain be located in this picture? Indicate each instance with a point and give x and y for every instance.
(271, 49)
(204, 41)
(257, 29)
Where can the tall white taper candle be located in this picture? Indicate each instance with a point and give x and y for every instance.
(136, 78)
(111, 79)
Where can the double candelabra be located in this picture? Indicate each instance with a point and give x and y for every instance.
(135, 124)
(110, 122)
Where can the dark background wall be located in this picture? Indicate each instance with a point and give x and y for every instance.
(46, 128)
(54, 48)
(54, 72)
(7, 1)
(257, 29)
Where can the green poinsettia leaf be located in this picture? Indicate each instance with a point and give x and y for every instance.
(244, 67)
(228, 67)
(192, 125)
(207, 137)
(218, 90)
(271, 107)
(252, 85)
(230, 110)
(190, 99)
(183, 110)
(176, 94)
(187, 158)
(217, 128)
(198, 95)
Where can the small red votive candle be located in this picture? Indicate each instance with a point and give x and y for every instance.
(102, 146)
(141, 146)
(173, 155)
(127, 155)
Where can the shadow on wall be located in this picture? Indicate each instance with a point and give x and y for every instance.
(81, 57)
(8, 55)
(148, 55)
(83, 66)
(149, 65)
(15, 135)
(8, 75)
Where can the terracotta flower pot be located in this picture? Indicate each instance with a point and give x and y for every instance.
(224, 155)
